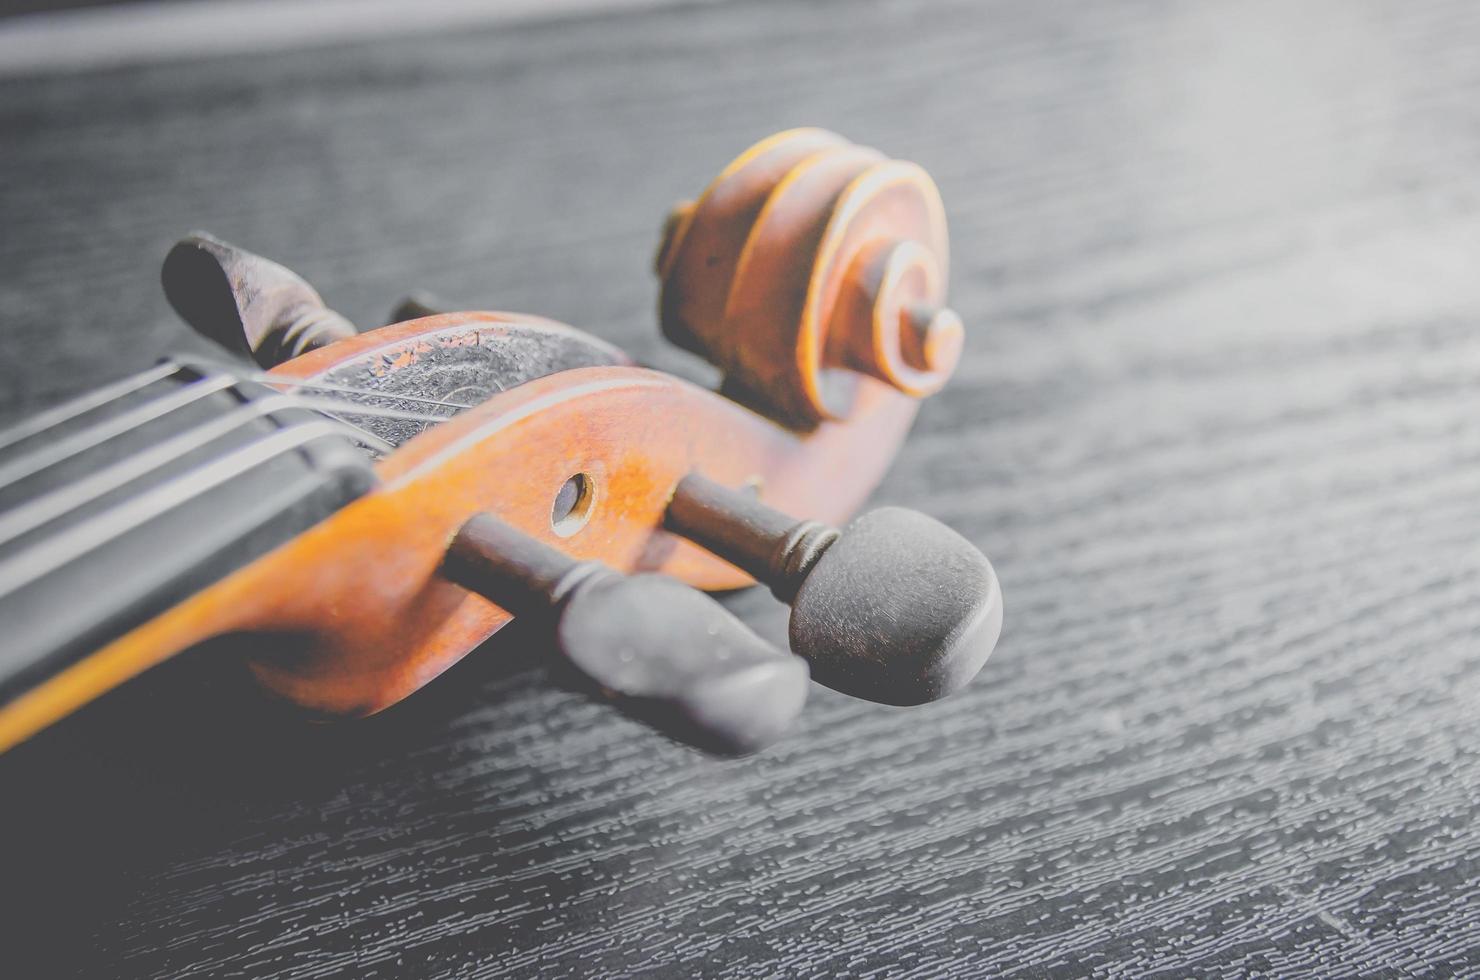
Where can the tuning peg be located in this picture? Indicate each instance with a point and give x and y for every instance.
(895, 608)
(414, 306)
(246, 303)
(669, 653)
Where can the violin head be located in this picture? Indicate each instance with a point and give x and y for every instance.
(812, 272)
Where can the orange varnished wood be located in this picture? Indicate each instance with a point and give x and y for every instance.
(808, 262)
(400, 344)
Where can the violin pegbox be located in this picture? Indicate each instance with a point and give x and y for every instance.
(808, 265)
(813, 273)
(666, 652)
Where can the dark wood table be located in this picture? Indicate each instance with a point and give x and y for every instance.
(1218, 426)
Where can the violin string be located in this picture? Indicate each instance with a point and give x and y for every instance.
(100, 432)
(53, 504)
(48, 555)
(380, 447)
(107, 429)
(337, 408)
(85, 403)
(37, 512)
(96, 484)
(272, 379)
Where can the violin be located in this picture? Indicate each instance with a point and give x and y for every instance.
(372, 506)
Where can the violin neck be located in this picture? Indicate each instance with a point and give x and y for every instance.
(123, 502)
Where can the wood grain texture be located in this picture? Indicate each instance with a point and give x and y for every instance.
(1217, 424)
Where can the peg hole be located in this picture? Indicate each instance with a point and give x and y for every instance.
(572, 508)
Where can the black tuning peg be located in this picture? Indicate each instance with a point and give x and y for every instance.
(414, 306)
(246, 303)
(668, 654)
(895, 608)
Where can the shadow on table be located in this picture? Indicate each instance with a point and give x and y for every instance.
(191, 756)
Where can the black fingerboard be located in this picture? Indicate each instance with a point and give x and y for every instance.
(119, 505)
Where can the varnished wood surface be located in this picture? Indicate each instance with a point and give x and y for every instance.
(1218, 425)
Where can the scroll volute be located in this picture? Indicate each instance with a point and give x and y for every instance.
(809, 262)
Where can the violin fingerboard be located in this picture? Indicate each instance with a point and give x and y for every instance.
(112, 515)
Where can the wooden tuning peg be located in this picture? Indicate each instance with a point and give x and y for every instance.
(668, 653)
(895, 608)
(246, 303)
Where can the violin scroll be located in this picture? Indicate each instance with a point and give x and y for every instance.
(810, 264)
